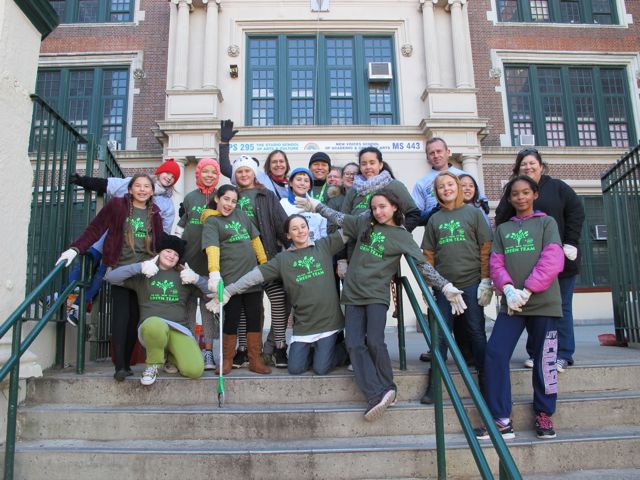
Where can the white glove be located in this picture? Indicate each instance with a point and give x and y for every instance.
(570, 251)
(188, 276)
(214, 305)
(179, 231)
(214, 279)
(307, 203)
(67, 256)
(516, 299)
(341, 268)
(454, 296)
(485, 292)
(150, 267)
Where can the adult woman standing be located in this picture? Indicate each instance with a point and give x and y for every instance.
(558, 200)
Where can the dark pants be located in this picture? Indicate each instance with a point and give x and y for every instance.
(252, 303)
(364, 327)
(326, 356)
(504, 338)
(473, 321)
(124, 325)
(566, 339)
(98, 270)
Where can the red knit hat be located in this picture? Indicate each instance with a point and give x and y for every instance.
(169, 166)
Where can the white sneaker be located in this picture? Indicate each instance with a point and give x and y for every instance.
(149, 375)
(209, 362)
(528, 363)
(350, 367)
(169, 368)
(72, 315)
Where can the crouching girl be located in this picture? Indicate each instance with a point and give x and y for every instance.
(306, 271)
(162, 295)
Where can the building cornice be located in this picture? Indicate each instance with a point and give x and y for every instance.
(41, 14)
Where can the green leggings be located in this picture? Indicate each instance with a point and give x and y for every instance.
(158, 337)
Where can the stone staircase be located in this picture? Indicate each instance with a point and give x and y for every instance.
(295, 427)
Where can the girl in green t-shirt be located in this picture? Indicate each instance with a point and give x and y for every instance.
(232, 244)
(381, 242)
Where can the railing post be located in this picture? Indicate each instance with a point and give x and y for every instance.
(436, 383)
(12, 407)
(402, 350)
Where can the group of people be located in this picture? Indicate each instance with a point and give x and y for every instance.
(324, 243)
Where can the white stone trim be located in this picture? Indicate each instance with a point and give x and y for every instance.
(131, 59)
(585, 187)
(629, 60)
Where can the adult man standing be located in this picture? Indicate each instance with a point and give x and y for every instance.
(438, 154)
(319, 164)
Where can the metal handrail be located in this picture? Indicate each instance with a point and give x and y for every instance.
(431, 331)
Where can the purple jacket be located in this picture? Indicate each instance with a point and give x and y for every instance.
(112, 218)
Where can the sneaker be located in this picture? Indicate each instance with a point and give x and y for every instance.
(280, 357)
(209, 361)
(374, 412)
(72, 315)
(506, 431)
(562, 365)
(544, 426)
(425, 357)
(395, 398)
(240, 360)
(149, 375)
(528, 363)
(120, 375)
(169, 368)
(350, 367)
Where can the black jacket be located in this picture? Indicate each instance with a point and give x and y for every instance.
(558, 200)
(271, 218)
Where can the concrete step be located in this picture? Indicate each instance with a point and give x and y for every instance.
(609, 474)
(97, 387)
(336, 458)
(296, 421)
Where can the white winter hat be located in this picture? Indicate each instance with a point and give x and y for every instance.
(244, 161)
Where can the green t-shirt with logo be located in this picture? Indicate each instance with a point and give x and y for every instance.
(355, 204)
(456, 236)
(194, 204)
(307, 276)
(375, 261)
(233, 236)
(140, 224)
(521, 242)
(162, 295)
(247, 203)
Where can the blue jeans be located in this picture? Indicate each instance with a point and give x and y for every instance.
(327, 355)
(473, 320)
(96, 280)
(566, 339)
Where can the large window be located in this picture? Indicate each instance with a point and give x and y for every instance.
(569, 106)
(557, 11)
(93, 11)
(594, 265)
(319, 80)
(92, 100)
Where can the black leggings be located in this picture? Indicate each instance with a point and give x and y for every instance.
(252, 303)
(124, 325)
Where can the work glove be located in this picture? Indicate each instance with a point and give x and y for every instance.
(226, 131)
(178, 232)
(150, 267)
(485, 292)
(214, 278)
(454, 297)
(570, 251)
(188, 276)
(93, 184)
(213, 305)
(516, 299)
(67, 256)
(341, 268)
(307, 203)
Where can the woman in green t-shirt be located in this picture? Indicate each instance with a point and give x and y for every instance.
(306, 271)
(381, 242)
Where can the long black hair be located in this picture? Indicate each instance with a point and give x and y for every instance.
(398, 216)
(378, 153)
(227, 187)
(525, 153)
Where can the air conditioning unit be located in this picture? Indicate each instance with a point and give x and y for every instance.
(600, 232)
(380, 72)
(527, 140)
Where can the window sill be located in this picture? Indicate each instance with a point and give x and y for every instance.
(592, 289)
(561, 25)
(99, 24)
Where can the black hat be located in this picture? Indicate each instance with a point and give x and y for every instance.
(320, 157)
(174, 243)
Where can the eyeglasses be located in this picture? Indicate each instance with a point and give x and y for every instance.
(527, 151)
(350, 174)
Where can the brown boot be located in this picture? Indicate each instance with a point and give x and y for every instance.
(254, 344)
(228, 352)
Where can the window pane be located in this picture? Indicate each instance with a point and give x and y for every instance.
(594, 268)
(614, 97)
(570, 11)
(263, 59)
(120, 11)
(341, 112)
(88, 11)
(114, 92)
(508, 10)
(551, 91)
(262, 52)
(58, 6)
(80, 93)
(340, 62)
(539, 10)
(581, 80)
(301, 61)
(601, 11)
(380, 94)
(518, 94)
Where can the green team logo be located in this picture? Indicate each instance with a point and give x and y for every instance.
(376, 244)
(169, 292)
(240, 232)
(137, 224)
(311, 267)
(196, 211)
(364, 203)
(245, 205)
(455, 232)
(522, 242)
